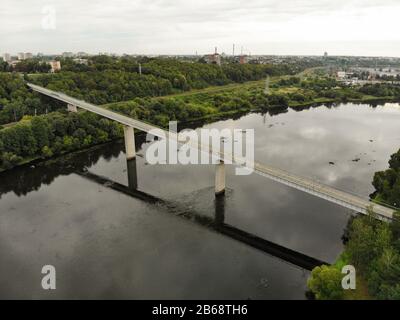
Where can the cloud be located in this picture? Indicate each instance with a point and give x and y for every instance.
(166, 26)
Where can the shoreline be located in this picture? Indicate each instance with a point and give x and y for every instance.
(209, 119)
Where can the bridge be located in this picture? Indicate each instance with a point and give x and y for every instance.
(341, 198)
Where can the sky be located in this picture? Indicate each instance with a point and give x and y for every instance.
(287, 27)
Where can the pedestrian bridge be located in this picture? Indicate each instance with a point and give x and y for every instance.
(339, 197)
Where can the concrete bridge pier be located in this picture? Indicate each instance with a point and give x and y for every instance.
(129, 143)
(72, 108)
(220, 179)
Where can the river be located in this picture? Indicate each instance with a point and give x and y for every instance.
(164, 242)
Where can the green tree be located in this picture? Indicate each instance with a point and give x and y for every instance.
(326, 283)
(41, 132)
(47, 152)
(368, 239)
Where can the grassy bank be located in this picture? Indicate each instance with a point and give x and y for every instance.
(361, 291)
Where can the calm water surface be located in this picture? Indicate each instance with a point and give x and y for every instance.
(106, 243)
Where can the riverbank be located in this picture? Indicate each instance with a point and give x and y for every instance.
(33, 161)
(190, 122)
(31, 138)
(364, 99)
(361, 290)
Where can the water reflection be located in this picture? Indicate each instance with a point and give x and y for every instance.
(31, 177)
(216, 223)
(132, 174)
(219, 217)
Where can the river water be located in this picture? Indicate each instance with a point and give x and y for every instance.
(108, 242)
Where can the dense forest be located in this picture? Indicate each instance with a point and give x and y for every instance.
(53, 134)
(16, 100)
(200, 105)
(26, 66)
(107, 79)
(286, 92)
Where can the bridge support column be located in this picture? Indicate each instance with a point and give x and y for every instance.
(129, 143)
(72, 108)
(220, 179)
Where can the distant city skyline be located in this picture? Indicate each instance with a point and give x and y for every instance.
(77, 54)
(270, 27)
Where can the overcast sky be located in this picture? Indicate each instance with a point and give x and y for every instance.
(341, 27)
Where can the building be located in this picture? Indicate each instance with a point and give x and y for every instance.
(55, 66)
(67, 54)
(14, 63)
(214, 58)
(23, 56)
(81, 61)
(82, 54)
(243, 59)
(7, 57)
(343, 75)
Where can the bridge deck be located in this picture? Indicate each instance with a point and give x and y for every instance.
(315, 188)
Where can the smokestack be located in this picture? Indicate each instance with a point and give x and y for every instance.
(233, 51)
(216, 50)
